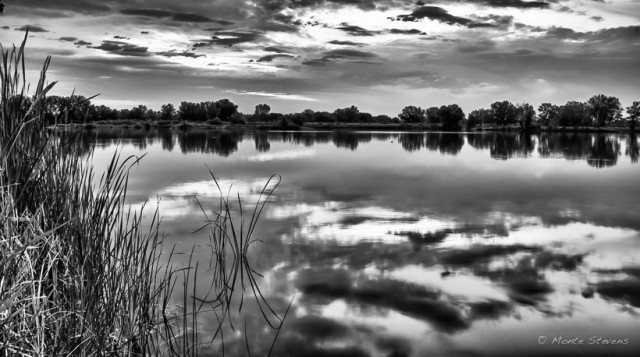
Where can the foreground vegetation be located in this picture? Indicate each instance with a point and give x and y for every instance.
(82, 275)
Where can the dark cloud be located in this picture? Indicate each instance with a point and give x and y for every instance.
(414, 300)
(482, 254)
(147, 12)
(222, 23)
(175, 16)
(121, 38)
(270, 58)
(31, 28)
(357, 30)
(429, 238)
(122, 48)
(179, 54)
(79, 6)
(492, 21)
(625, 290)
(82, 43)
(184, 17)
(610, 34)
(274, 6)
(346, 53)
(520, 4)
(407, 32)
(345, 43)
(434, 13)
(230, 38)
(68, 39)
(277, 49)
(342, 54)
(490, 309)
(316, 328)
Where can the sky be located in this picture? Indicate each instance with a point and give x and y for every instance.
(379, 55)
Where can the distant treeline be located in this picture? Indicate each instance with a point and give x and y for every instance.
(599, 111)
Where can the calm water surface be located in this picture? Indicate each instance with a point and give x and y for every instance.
(413, 244)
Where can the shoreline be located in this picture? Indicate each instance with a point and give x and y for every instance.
(178, 125)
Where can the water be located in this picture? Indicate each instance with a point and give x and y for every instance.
(413, 244)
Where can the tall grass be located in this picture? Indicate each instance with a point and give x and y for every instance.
(80, 274)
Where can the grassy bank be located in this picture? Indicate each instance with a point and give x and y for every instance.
(80, 273)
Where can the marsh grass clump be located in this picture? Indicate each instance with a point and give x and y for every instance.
(80, 273)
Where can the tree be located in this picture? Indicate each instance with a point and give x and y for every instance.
(504, 113)
(604, 109)
(433, 115)
(348, 115)
(548, 114)
(211, 110)
(525, 114)
(574, 114)
(262, 109)
(479, 117)
(382, 119)
(167, 112)
(227, 108)
(152, 115)
(103, 112)
(451, 115)
(634, 115)
(138, 112)
(411, 114)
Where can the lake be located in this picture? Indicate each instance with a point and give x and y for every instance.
(412, 244)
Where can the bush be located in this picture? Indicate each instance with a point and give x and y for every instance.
(238, 119)
(214, 121)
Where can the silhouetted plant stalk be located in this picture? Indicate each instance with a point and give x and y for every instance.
(80, 274)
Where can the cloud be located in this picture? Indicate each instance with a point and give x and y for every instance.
(230, 38)
(357, 30)
(434, 13)
(185, 17)
(609, 34)
(407, 32)
(520, 4)
(31, 28)
(122, 48)
(316, 328)
(342, 54)
(68, 39)
(82, 43)
(348, 54)
(278, 49)
(414, 300)
(173, 53)
(79, 6)
(175, 16)
(270, 58)
(494, 21)
(345, 43)
(147, 12)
